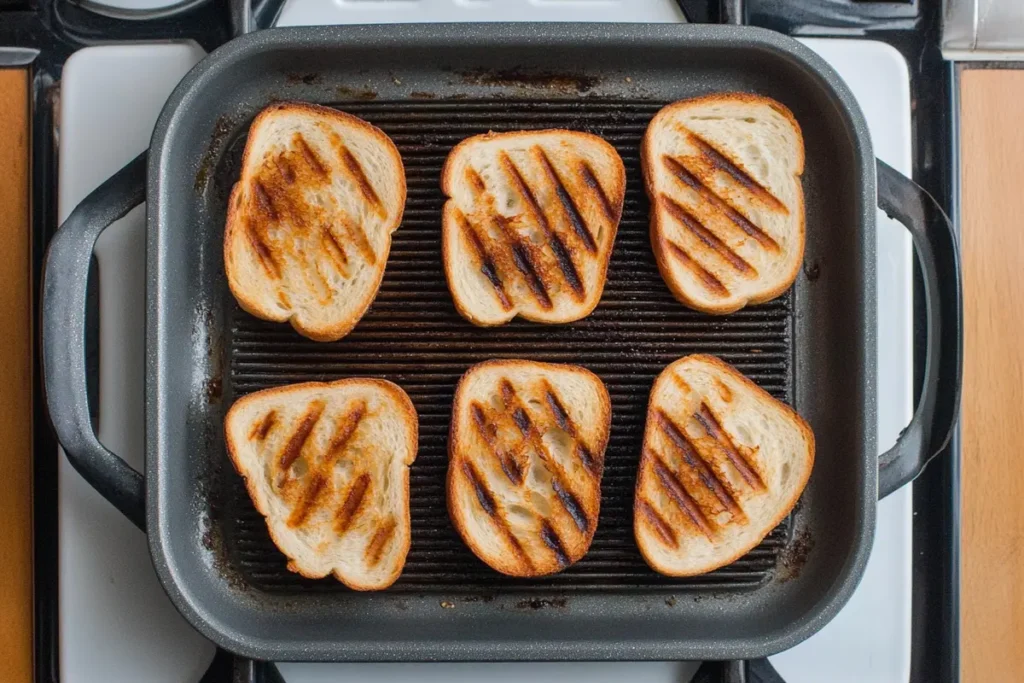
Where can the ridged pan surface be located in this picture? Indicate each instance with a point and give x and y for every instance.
(413, 336)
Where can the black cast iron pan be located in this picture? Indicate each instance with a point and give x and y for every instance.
(428, 86)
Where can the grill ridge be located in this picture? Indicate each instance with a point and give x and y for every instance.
(413, 336)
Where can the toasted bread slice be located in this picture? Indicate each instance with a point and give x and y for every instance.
(529, 224)
(310, 220)
(722, 464)
(525, 459)
(727, 208)
(328, 466)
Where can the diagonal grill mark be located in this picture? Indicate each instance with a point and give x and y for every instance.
(508, 464)
(696, 462)
(714, 428)
(349, 509)
(487, 264)
(680, 171)
(704, 234)
(565, 423)
(357, 173)
(312, 160)
(487, 502)
(679, 495)
(308, 500)
(552, 541)
(558, 248)
(293, 447)
(568, 202)
(590, 180)
(703, 274)
(661, 526)
(525, 423)
(572, 506)
(260, 430)
(264, 200)
(380, 541)
(336, 251)
(483, 494)
(284, 167)
(345, 429)
(358, 236)
(720, 161)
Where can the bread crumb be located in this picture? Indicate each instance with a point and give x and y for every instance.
(447, 605)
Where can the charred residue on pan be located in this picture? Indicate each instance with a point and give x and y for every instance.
(542, 603)
(422, 95)
(221, 129)
(794, 558)
(305, 79)
(351, 92)
(552, 82)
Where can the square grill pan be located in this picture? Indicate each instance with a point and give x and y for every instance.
(413, 336)
(428, 87)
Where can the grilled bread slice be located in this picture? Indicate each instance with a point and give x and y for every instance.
(723, 463)
(525, 459)
(727, 209)
(529, 224)
(328, 466)
(310, 220)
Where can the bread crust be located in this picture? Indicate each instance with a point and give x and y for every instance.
(459, 444)
(615, 193)
(657, 218)
(236, 208)
(409, 417)
(644, 540)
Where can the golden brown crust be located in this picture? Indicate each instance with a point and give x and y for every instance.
(651, 424)
(236, 211)
(648, 169)
(613, 197)
(520, 564)
(409, 416)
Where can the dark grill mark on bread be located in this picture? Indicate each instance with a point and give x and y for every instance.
(565, 423)
(483, 494)
(336, 251)
(284, 167)
(487, 266)
(706, 236)
(565, 198)
(590, 181)
(558, 249)
(679, 495)
(475, 181)
(307, 500)
(521, 257)
(293, 447)
(260, 430)
(310, 156)
(721, 161)
(266, 204)
(349, 510)
(356, 171)
(709, 280)
(344, 430)
(552, 541)
(572, 506)
(713, 427)
(380, 541)
(677, 169)
(661, 527)
(488, 433)
(695, 461)
(358, 236)
(263, 252)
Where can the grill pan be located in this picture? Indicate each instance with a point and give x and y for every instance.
(429, 87)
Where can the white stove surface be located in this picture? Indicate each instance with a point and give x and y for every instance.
(116, 624)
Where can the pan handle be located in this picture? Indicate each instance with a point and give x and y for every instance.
(65, 273)
(738, 671)
(939, 407)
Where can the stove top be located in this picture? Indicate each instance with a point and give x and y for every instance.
(872, 639)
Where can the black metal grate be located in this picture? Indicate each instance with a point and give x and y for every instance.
(413, 336)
